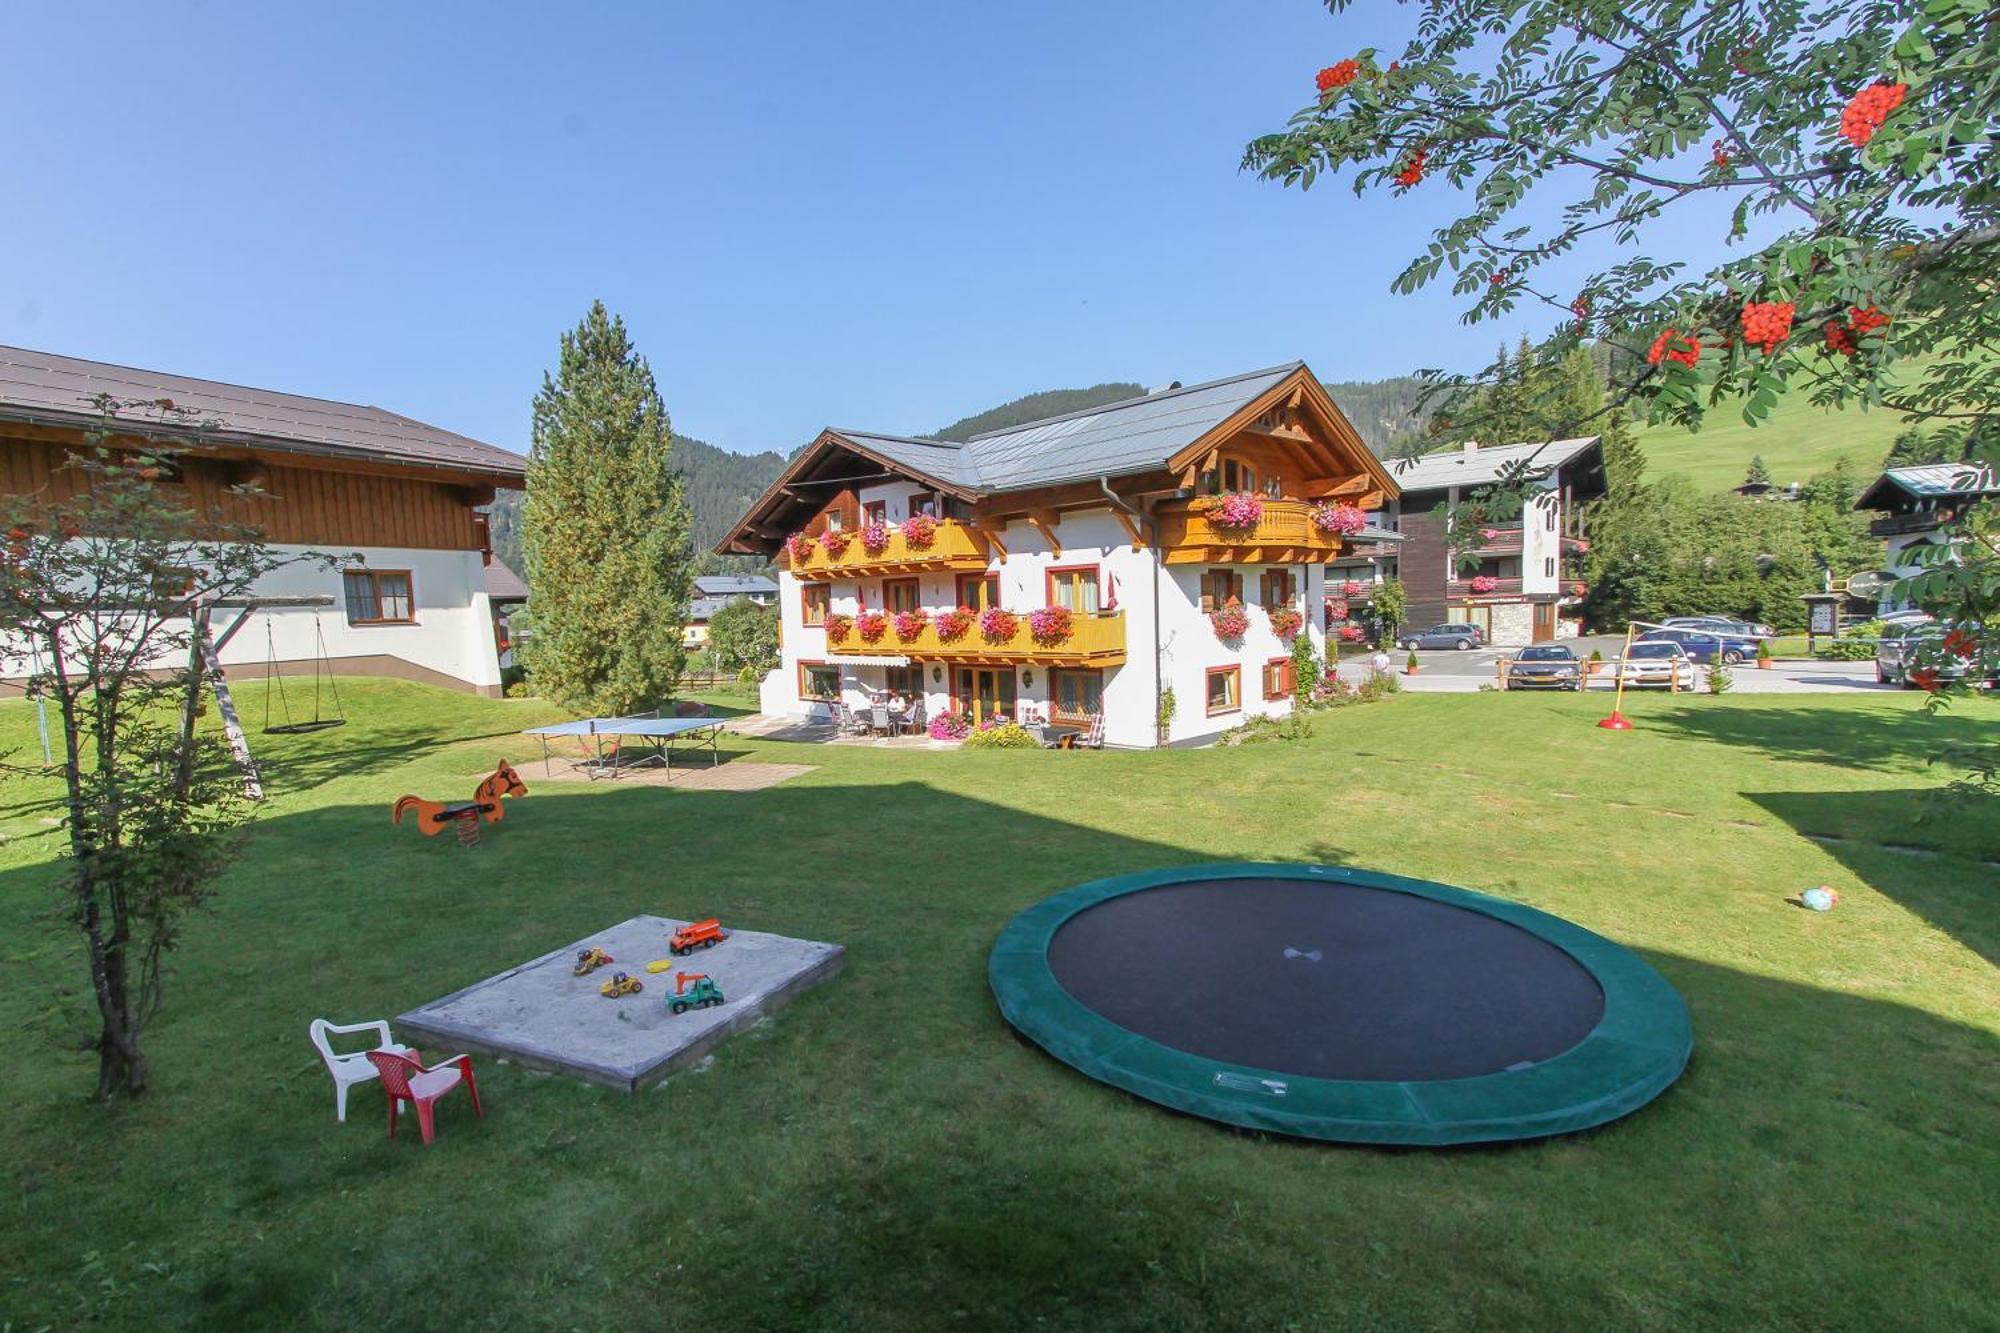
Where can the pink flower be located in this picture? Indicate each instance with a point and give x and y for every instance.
(1484, 583)
(919, 531)
(909, 624)
(1342, 520)
(1351, 588)
(1286, 621)
(1231, 621)
(997, 626)
(1237, 512)
(871, 626)
(799, 546)
(1050, 625)
(953, 624)
(875, 538)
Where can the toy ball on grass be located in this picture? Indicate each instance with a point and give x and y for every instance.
(1820, 899)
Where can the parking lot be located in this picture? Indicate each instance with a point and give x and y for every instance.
(1446, 670)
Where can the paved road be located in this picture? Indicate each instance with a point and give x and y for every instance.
(1445, 670)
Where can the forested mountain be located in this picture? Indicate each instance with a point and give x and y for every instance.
(1385, 412)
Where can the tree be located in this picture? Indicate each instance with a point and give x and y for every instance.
(1389, 605)
(1855, 145)
(743, 634)
(107, 594)
(1758, 474)
(605, 529)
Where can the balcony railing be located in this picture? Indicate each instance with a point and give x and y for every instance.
(953, 547)
(1501, 587)
(1096, 639)
(1285, 535)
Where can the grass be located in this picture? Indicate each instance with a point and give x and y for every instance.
(1797, 441)
(883, 1153)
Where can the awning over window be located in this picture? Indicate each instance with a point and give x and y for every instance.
(885, 660)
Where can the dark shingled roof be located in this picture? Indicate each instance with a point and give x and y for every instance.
(45, 388)
(503, 584)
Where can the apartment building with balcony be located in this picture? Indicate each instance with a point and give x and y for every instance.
(1913, 505)
(1522, 579)
(1096, 562)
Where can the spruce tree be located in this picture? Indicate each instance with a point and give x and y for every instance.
(1758, 475)
(604, 529)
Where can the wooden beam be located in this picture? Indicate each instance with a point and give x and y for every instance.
(1131, 526)
(1044, 522)
(1329, 486)
(990, 531)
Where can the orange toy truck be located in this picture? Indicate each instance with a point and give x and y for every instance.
(697, 935)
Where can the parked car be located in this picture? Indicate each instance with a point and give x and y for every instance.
(1911, 646)
(1460, 637)
(1704, 643)
(1748, 629)
(1546, 666)
(1660, 662)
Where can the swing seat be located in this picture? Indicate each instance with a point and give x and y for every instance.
(300, 728)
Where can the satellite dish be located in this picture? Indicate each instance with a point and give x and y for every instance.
(1865, 584)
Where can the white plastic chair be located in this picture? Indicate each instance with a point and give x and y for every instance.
(353, 1067)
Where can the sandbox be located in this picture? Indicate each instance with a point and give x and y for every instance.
(541, 1016)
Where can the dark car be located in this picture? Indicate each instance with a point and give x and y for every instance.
(1444, 636)
(1747, 628)
(1546, 666)
(1702, 645)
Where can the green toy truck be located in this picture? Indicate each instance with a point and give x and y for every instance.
(698, 993)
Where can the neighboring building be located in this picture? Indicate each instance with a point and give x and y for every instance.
(1914, 503)
(1528, 582)
(712, 592)
(506, 593)
(397, 499)
(1109, 514)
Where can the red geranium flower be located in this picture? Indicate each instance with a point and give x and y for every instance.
(1925, 679)
(1868, 109)
(1961, 644)
(1338, 75)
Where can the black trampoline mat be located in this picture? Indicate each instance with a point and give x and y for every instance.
(1403, 987)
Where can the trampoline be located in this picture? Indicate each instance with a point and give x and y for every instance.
(1332, 1003)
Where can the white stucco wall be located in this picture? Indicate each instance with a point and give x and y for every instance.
(452, 633)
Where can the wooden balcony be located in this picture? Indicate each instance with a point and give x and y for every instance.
(955, 547)
(1284, 536)
(1462, 588)
(1095, 641)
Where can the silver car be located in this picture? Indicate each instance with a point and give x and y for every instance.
(1657, 663)
(1546, 666)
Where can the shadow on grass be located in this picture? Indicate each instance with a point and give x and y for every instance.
(1942, 870)
(1813, 734)
(880, 1152)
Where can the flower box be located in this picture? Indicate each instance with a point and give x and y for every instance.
(875, 538)
(1351, 589)
(909, 624)
(871, 626)
(955, 623)
(799, 546)
(838, 627)
(1231, 622)
(1342, 520)
(1051, 625)
(998, 626)
(1483, 583)
(1286, 621)
(919, 531)
(1237, 512)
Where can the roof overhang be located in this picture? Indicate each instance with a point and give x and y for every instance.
(222, 442)
(806, 484)
(1319, 404)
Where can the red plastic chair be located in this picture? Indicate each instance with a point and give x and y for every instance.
(406, 1080)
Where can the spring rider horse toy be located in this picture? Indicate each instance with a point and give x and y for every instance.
(434, 816)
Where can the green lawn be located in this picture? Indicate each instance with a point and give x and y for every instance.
(1797, 441)
(883, 1154)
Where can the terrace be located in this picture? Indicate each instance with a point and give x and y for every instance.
(1286, 534)
(1094, 640)
(953, 546)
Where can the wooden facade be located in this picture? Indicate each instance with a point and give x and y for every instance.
(303, 501)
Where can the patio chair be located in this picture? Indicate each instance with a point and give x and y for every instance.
(878, 715)
(352, 1067)
(1093, 739)
(405, 1080)
(914, 721)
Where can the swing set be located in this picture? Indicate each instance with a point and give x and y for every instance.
(274, 683)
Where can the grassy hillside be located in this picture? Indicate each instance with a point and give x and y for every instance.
(1796, 441)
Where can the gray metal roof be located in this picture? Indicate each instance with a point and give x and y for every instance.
(503, 584)
(734, 585)
(62, 390)
(1481, 464)
(702, 609)
(1132, 435)
(1942, 479)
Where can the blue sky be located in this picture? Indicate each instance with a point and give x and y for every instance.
(875, 215)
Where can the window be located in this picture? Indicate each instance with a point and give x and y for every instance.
(899, 595)
(907, 681)
(814, 598)
(1220, 587)
(1225, 689)
(1074, 586)
(1549, 566)
(1075, 695)
(1279, 588)
(925, 502)
(378, 597)
(979, 591)
(875, 511)
(817, 680)
(833, 520)
(1278, 678)
(1238, 476)
(1274, 486)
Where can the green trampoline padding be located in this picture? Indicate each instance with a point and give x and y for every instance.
(1443, 1016)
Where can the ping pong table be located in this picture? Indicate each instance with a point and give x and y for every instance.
(657, 737)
